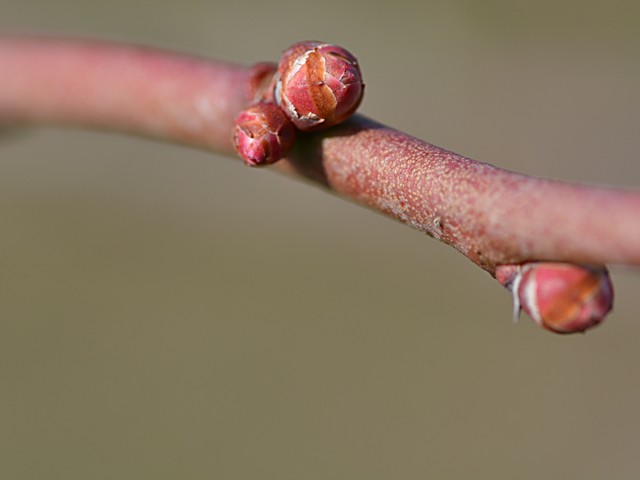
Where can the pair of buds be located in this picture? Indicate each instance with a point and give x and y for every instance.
(314, 86)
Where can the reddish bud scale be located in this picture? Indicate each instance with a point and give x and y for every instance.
(261, 82)
(262, 134)
(318, 85)
(561, 297)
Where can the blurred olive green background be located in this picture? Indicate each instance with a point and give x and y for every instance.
(168, 313)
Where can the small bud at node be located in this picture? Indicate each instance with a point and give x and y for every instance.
(262, 134)
(261, 82)
(561, 297)
(319, 85)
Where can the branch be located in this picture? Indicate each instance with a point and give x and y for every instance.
(493, 216)
(136, 90)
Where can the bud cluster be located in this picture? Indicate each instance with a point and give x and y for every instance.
(314, 86)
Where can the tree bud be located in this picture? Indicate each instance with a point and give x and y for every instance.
(262, 134)
(318, 85)
(261, 82)
(561, 297)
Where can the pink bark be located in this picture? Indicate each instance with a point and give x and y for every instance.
(491, 215)
(131, 89)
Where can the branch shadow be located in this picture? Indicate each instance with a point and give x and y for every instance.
(308, 157)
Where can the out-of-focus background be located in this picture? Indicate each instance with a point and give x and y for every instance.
(169, 313)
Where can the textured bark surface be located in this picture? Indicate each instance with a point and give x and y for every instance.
(491, 215)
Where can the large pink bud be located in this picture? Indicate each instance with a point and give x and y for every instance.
(262, 134)
(319, 85)
(561, 297)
